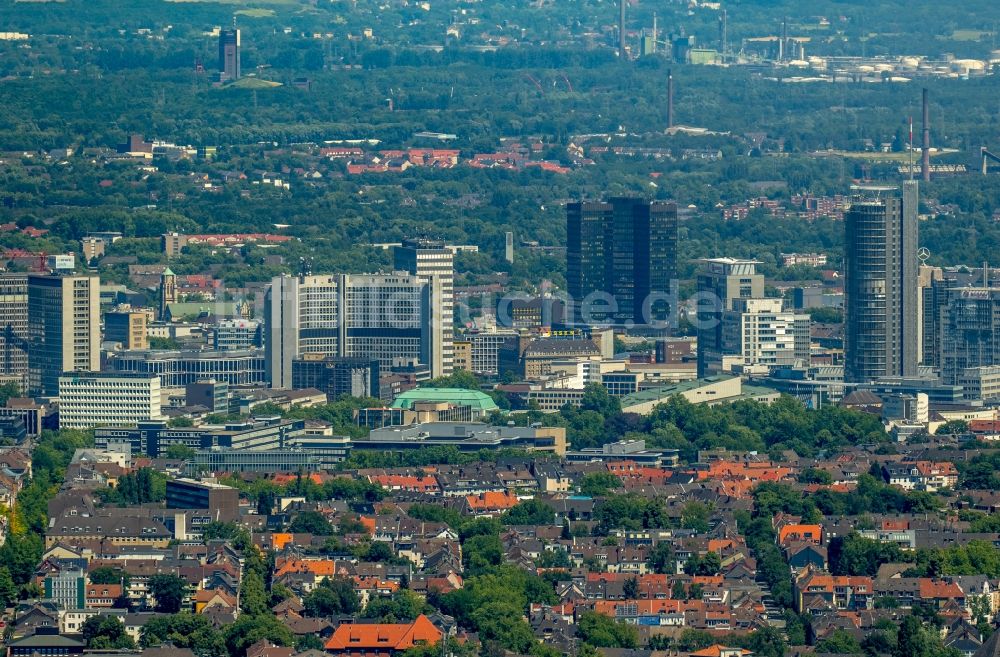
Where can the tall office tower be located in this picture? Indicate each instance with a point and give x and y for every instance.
(168, 290)
(64, 329)
(429, 259)
(14, 322)
(625, 248)
(881, 322)
(721, 283)
(508, 246)
(393, 318)
(932, 297)
(760, 333)
(970, 331)
(229, 55)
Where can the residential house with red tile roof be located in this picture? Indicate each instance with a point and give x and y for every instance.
(800, 533)
(490, 503)
(719, 650)
(101, 596)
(938, 592)
(382, 639)
(834, 591)
(408, 483)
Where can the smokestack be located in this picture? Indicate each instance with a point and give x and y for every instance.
(925, 164)
(724, 36)
(621, 28)
(654, 32)
(781, 42)
(670, 99)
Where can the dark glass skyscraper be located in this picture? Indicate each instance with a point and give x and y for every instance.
(880, 263)
(625, 248)
(229, 55)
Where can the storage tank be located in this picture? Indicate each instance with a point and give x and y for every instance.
(967, 65)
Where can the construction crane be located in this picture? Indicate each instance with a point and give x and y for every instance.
(987, 156)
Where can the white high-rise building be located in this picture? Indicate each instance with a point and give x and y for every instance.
(431, 259)
(99, 399)
(761, 333)
(396, 318)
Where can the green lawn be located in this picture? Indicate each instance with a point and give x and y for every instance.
(969, 35)
(255, 13)
(253, 83)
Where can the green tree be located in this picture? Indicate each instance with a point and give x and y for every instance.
(402, 606)
(8, 589)
(311, 522)
(604, 632)
(481, 554)
(694, 516)
(183, 630)
(631, 588)
(253, 596)
(661, 558)
(378, 551)
(595, 484)
(169, 591)
(503, 624)
(8, 390)
(708, 564)
(839, 642)
(596, 398)
(181, 452)
(855, 555)
(334, 596)
(226, 531)
(458, 379)
(911, 640)
(815, 476)
(953, 428)
(248, 630)
(305, 642)
(529, 512)
(20, 554)
(106, 633)
(109, 575)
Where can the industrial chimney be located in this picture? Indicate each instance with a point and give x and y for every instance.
(621, 28)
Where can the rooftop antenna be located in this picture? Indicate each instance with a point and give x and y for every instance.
(910, 156)
(926, 158)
